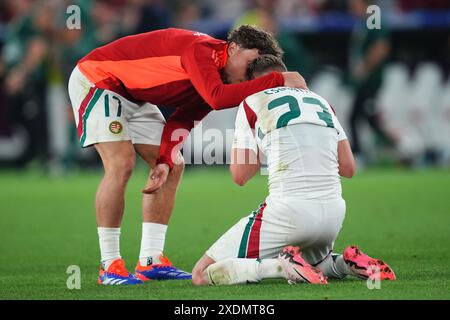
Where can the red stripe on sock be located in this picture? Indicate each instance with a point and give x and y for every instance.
(253, 239)
(83, 107)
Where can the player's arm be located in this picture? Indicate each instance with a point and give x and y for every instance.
(376, 54)
(175, 131)
(205, 77)
(245, 161)
(346, 160)
(177, 128)
(34, 55)
(244, 165)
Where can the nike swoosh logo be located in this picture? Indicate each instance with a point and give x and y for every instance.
(307, 281)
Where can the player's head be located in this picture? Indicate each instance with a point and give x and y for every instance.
(265, 64)
(245, 44)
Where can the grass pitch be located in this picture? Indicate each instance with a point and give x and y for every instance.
(48, 224)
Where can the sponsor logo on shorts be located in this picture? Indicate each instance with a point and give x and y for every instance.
(115, 127)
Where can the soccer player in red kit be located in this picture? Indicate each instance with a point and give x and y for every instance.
(114, 92)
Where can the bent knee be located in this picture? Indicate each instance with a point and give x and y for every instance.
(178, 167)
(121, 168)
(199, 277)
(177, 171)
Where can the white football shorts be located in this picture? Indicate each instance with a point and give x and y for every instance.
(105, 116)
(278, 222)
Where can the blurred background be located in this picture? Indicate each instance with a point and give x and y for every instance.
(390, 87)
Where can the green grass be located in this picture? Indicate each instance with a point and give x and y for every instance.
(47, 224)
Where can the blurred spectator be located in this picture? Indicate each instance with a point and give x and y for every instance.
(423, 4)
(145, 15)
(187, 12)
(220, 9)
(4, 123)
(37, 57)
(369, 53)
(38, 53)
(262, 13)
(101, 22)
(24, 56)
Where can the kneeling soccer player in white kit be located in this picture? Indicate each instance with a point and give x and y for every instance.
(307, 151)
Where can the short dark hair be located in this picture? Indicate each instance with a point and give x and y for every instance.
(251, 37)
(265, 63)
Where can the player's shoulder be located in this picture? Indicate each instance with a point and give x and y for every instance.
(199, 38)
(254, 99)
(186, 32)
(203, 46)
(264, 97)
(195, 37)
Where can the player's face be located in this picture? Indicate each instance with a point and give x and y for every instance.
(238, 59)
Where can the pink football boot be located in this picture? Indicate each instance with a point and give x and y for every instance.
(298, 270)
(365, 267)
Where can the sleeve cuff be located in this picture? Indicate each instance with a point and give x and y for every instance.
(279, 78)
(163, 159)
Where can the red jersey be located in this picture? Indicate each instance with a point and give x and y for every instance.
(173, 68)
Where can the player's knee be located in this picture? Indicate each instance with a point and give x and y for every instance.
(196, 280)
(127, 166)
(178, 167)
(198, 277)
(121, 168)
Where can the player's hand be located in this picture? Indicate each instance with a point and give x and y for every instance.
(294, 80)
(158, 177)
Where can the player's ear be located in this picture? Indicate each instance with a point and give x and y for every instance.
(232, 48)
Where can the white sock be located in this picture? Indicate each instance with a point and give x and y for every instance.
(334, 266)
(152, 243)
(237, 271)
(270, 269)
(109, 245)
(233, 271)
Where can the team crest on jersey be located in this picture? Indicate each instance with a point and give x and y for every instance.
(199, 34)
(115, 127)
(219, 58)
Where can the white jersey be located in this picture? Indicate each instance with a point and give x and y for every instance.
(298, 132)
